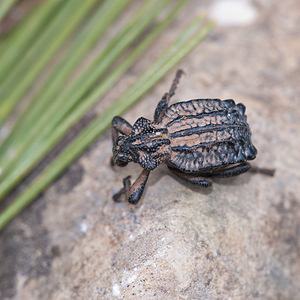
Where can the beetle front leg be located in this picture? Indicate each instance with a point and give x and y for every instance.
(163, 104)
(120, 125)
(134, 191)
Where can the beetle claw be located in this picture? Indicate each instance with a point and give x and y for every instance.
(117, 197)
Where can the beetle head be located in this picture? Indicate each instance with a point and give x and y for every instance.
(145, 145)
(121, 151)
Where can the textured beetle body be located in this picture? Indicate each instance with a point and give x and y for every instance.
(197, 139)
(207, 134)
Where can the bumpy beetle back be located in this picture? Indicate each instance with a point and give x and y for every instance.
(197, 139)
(207, 133)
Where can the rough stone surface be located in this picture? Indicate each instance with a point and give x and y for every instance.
(238, 240)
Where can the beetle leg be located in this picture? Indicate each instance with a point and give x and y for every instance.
(120, 125)
(161, 108)
(164, 102)
(232, 171)
(264, 171)
(175, 84)
(192, 178)
(134, 191)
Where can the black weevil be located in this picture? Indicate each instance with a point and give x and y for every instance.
(197, 139)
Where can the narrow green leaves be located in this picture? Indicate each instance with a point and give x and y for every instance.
(27, 71)
(5, 6)
(63, 99)
(164, 64)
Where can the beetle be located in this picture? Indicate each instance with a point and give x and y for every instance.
(197, 139)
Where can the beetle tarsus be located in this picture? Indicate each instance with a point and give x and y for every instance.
(117, 196)
(263, 171)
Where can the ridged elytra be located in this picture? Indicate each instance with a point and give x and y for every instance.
(197, 139)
